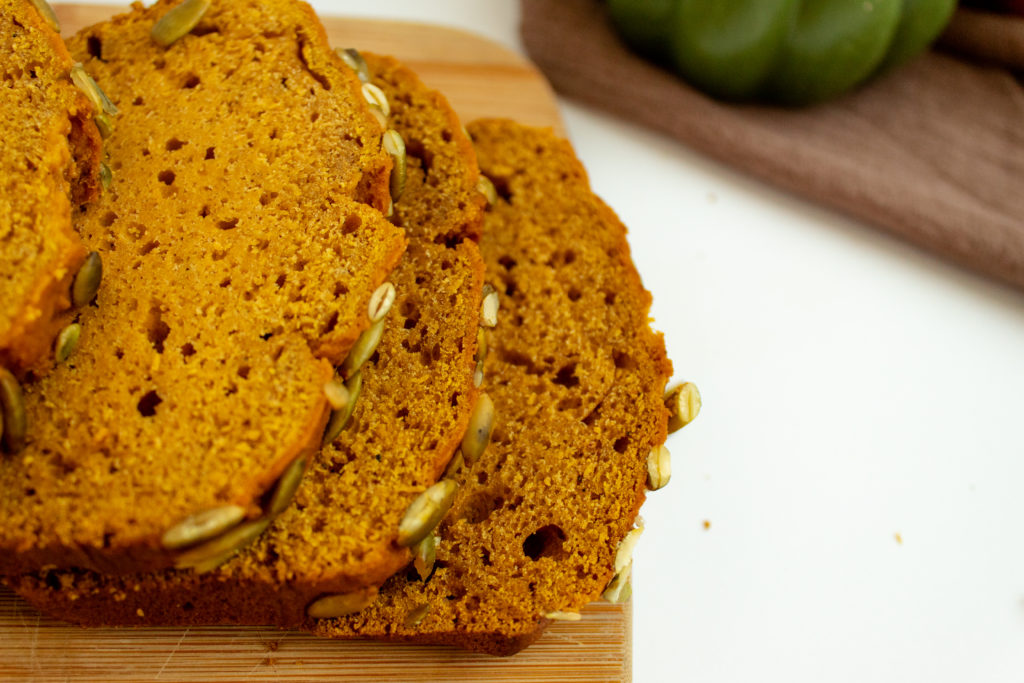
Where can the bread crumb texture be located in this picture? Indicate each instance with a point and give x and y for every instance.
(339, 535)
(240, 248)
(50, 161)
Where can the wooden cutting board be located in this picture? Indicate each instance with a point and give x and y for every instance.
(480, 79)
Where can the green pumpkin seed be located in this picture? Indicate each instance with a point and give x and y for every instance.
(87, 281)
(624, 554)
(105, 124)
(337, 394)
(659, 467)
(67, 340)
(381, 301)
(683, 403)
(381, 119)
(49, 16)
(362, 349)
(106, 176)
(481, 345)
(413, 619)
(619, 589)
(457, 462)
(12, 407)
(355, 61)
(478, 374)
(286, 487)
(213, 553)
(563, 616)
(339, 418)
(426, 512)
(424, 555)
(341, 604)
(478, 433)
(178, 22)
(202, 526)
(394, 145)
(375, 97)
(489, 307)
(485, 187)
(91, 89)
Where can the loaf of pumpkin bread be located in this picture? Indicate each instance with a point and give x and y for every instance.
(543, 520)
(241, 242)
(340, 536)
(50, 163)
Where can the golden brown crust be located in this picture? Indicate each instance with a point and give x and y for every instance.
(62, 153)
(237, 270)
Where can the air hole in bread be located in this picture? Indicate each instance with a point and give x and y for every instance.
(507, 262)
(574, 294)
(190, 82)
(166, 177)
(156, 329)
(148, 247)
(188, 350)
(108, 219)
(229, 224)
(621, 444)
(547, 541)
(566, 376)
(95, 46)
(148, 403)
(351, 224)
(210, 153)
(624, 361)
(138, 101)
(480, 506)
(174, 144)
(243, 371)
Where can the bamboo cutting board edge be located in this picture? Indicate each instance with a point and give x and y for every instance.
(480, 79)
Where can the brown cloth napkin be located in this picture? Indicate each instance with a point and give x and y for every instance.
(933, 152)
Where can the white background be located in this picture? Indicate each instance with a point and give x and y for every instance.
(856, 391)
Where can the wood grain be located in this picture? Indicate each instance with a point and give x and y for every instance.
(481, 79)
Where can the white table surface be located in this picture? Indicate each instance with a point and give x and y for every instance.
(860, 454)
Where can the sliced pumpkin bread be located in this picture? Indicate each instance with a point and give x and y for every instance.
(240, 246)
(543, 521)
(340, 536)
(50, 163)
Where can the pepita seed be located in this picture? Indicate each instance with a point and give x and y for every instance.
(355, 61)
(381, 301)
(659, 467)
(178, 22)
(375, 97)
(424, 555)
(213, 553)
(457, 462)
(390, 211)
(413, 619)
(12, 407)
(485, 187)
(481, 344)
(424, 513)
(87, 281)
(91, 89)
(616, 591)
(362, 349)
(478, 433)
(394, 145)
(624, 555)
(489, 307)
(49, 16)
(379, 116)
(202, 526)
(105, 124)
(683, 403)
(339, 418)
(106, 176)
(337, 394)
(286, 487)
(67, 340)
(341, 604)
(478, 374)
(563, 616)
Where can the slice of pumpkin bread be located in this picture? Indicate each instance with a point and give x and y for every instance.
(410, 415)
(544, 519)
(240, 248)
(50, 162)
